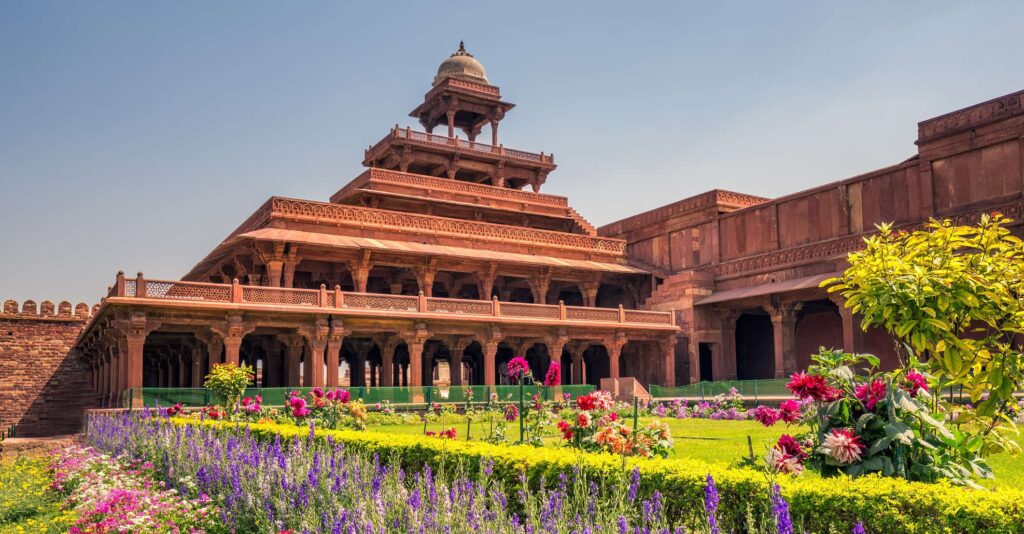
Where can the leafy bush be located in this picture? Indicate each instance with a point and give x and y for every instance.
(817, 505)
(863, 421)
(227, 382)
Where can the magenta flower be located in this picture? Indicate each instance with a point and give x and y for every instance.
(517, 368)
(554, 375)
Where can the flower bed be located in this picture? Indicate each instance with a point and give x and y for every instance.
(118, 495)
(885, 505)
(728, 406)
(27, 506)
(311, 482)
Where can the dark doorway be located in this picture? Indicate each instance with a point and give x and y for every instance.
(755, 347)
(705, 362)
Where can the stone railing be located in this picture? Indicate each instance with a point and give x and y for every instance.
(428, 139)
(325, 300)
(455, 83)
(441, 184)
(339, 214)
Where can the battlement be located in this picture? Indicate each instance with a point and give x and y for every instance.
(47, 311)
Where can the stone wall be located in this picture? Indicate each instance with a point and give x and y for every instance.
(45, 386)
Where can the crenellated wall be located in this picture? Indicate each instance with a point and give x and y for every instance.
(44, 385)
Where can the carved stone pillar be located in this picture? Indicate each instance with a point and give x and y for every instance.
(232, 332)
(425, 277)
(293, 354)
(853, 334)
(539, 286)
(485, 281)
(614, 347)
(335, 339)
(359, 364)
(316, 337)
(577, 365)
(360, 269)
(387, 360)
(694, 353)
(589, 291)
(784, 316)
(182, 370)
(455, 366)
(724, 366)
(668, 361)
(197, 367)
(415, 363)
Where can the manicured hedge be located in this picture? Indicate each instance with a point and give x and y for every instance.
(884, 505)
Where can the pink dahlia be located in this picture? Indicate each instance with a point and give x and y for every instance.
(806, 386)
(789, 411)
(517, 368)
(913, 382)
(554, 375)
(766, 416)
(870, 394)
(843, 445)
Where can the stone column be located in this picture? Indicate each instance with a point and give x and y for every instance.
(293, 354)
(359, 364)
(134, 343)
(415, 362)
(724, 361)
(387, 359)
(182, 371)
(274, 271)
(314, 368)
(668, 361)
(334, 344)
(197, 368)
(694, 354)
(577, 364)
(490, 355)
(215, 349)
(853, 335)
(232, 349)
(614, 353)
(455, 366)
(784, 335)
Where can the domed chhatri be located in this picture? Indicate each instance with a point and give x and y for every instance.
(461, 65)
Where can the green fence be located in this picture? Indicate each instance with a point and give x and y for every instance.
(704, 390)
(193, 397)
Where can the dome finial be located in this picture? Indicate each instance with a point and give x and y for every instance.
(462, 50)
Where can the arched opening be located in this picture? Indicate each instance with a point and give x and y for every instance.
(567, 370)
(571, 295)
(611, 296)
(596, 364)
(505, 353)
(435, 352)
(755, 346)
(473, 364)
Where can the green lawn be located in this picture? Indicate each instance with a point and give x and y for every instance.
(725, 442)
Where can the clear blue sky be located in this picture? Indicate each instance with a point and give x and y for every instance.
(136, 135)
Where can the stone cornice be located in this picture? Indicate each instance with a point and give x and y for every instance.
(835, 248)
(440, 184)
(342, 215)
(971, 117)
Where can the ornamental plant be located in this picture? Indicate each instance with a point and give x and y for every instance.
(595, 426)
(863, 421)
(331, 409)
(227, 382)
(954, 297)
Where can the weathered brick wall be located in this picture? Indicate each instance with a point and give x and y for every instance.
(44, 385)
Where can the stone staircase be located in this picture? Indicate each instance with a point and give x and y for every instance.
(668, 292)
(581, 222)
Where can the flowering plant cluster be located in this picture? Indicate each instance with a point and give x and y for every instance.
(728, 407)
(518, 369)
(595, 426)
(870, 422)
(331, 409)
(120, 495)
(305, 484)
(227, 382)
(448, 433)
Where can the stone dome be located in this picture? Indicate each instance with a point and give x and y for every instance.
(463, 66)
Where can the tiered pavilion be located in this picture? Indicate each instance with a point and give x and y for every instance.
(436, 265)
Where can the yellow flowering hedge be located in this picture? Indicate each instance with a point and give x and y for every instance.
(884, 505)
(27, 506)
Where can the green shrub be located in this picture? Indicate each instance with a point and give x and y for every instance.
(884, 505)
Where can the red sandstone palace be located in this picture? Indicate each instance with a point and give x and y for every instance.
(443, 260)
